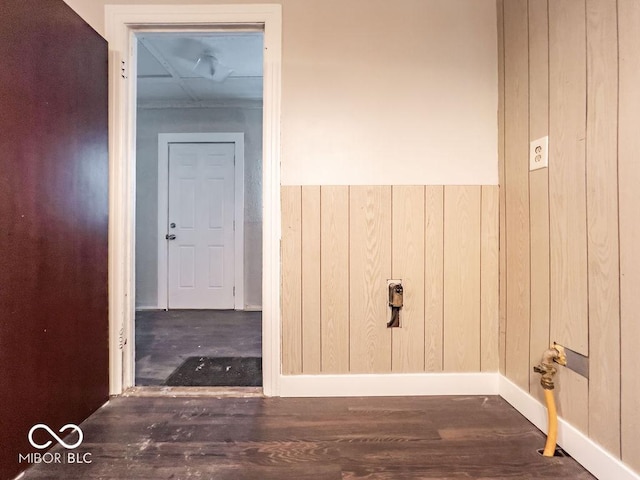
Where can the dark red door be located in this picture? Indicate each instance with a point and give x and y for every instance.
(53, 222)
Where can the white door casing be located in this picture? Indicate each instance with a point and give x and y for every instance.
(200, 226)
(122, 22)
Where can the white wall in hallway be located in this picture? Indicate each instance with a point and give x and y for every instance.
(150, 123)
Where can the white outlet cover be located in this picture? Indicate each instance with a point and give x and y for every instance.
(539, 153)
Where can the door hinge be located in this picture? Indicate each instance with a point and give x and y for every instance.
(234, 225)
(123, 69)
(234, 291)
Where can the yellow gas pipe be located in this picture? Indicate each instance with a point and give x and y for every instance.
(552, 434)
(548, 370)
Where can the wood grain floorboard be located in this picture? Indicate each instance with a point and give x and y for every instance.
(317, 438)
(165, 339)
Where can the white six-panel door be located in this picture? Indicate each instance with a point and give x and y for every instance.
(200, 226)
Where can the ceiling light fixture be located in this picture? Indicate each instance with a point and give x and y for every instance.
(208, 66)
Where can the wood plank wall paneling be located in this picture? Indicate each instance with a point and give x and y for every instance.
(334, 278)
(291, 280)
(433, 275)
(462, 279)
(567, 191)
(629, 215)
(489, 283)
(583, 72)
(501, 165)
(602, 223)
(538, 189)
(341, 244)
(572, 398)
(311, 354)
(370, 267)
(567, 174)
(408, 233)
(516, 190)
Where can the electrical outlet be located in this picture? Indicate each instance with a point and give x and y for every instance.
(539, 153)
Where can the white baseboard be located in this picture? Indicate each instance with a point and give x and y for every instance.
(248, 308)
(388, 385)
(584, 450)
(253, 308)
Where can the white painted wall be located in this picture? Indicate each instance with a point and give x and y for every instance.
(381, 91)
(395, 92)
(150, 123)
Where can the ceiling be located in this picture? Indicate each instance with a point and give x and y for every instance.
(176, 69)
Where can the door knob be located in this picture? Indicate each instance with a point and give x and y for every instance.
(170, 237)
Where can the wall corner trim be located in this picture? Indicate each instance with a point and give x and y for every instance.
(389, 385)
(584, 450)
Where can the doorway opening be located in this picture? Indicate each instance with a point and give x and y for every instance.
(198, 177)
(122, 22)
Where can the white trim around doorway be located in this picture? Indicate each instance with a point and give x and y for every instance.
(122, 22)
(164, 139)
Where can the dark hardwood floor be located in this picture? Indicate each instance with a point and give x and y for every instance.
(337, 438)
(165, 339)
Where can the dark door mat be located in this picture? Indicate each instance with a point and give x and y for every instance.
(217, 372)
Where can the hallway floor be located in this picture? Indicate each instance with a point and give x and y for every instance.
(165, 339)
(258, 438)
